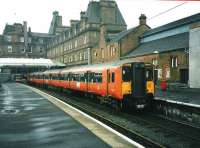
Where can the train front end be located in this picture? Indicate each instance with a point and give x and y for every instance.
(137, 84)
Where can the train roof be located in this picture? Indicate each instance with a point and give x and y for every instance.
(54, 71)
(94, 67)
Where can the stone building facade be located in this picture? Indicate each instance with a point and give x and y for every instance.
(74, 46)
(113, 46)
(18, 41)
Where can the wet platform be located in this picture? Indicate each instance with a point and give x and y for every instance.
(30, 119)
(184, 97)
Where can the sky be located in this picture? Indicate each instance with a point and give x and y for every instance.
(38, 13)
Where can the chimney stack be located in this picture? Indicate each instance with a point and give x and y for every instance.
(25, 35)
(142, 19)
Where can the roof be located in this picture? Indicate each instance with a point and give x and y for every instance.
(41, 34)
(179, 41)
(93, 14)
(118, 36)
(96, 67)
(188, 20)
(27, 62)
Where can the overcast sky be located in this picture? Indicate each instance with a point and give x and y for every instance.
(38, 13)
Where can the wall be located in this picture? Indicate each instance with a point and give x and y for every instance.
(131, 41)
(194, 55)
(165, 70)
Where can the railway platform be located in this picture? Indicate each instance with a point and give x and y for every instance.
(187, 97)
(31, 118)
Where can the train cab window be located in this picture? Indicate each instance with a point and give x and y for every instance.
(149, 74)
(126, 73)
(113, 77)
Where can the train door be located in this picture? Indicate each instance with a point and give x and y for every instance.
(108, 81)
(138, 79)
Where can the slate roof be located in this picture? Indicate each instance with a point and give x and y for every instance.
(93, 14)
(188, 20)
(118, 36)
(179, 41)
(41, 34)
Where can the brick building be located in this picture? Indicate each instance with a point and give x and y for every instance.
(74, 46)
(16, 41)
(113, 46)
(167, 47)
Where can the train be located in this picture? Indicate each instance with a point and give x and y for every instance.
(123, 84)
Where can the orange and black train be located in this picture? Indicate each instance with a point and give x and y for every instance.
(127, 84)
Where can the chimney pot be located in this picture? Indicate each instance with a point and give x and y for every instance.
(142, 19)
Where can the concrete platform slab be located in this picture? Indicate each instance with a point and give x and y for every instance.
(29, 119)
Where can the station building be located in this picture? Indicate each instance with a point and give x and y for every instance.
(19, 42)
(74, 46)
(168, 48)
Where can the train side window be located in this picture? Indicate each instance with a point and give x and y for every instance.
(85, 77)
(98, 77)
(82, 77)
(90, 77)
(113, 77)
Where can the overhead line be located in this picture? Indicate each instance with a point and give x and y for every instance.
(161, 13)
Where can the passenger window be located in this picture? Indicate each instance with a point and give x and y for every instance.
(113, 77)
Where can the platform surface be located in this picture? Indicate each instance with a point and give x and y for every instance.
(179, 97)
(29, 120)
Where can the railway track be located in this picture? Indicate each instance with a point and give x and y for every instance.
(146, 129)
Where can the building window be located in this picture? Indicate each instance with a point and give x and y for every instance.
(85, 39)
(155, 62)
(8, 38)
(85, 56)
(41, 41)
(21, 39)
(41, 50)
(102, 53)
(30, 50)
(174, 62)
(65, 59)
(81, 56)
(71, 45)
(95, 54)
(23, 49)
(75, 57)
(112, 51)
(9, 48)
(76, 43)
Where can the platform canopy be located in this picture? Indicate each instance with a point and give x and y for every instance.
(28, 62)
